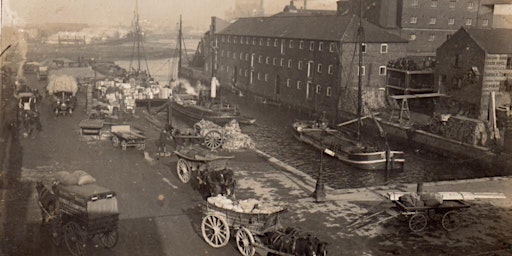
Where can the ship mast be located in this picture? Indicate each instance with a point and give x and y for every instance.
(360, 40)
(180, 38)
(138, 46)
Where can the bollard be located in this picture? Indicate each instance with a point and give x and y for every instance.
(419, 188)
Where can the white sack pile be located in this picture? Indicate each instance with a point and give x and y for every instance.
(75, 178)
(243, 206)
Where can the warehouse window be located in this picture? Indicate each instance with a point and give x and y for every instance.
(330, 69)
(328, 91)
(432, 21)
(260, 59)
(268, 41)
(259, 76)
(241, 40)
(320, 46)
(452, 3)
(471, 5)
(414, 3)
(282, 62)
(301, 45)
(247, 40)
(431, 38)
(299, 65)
(266, 77)
(383, 48)
(229, 54)
(261, 41)
(267, 60)
(332, 46)
(312, 46)
(276, 42)
(241, 56)
(246, 72)
(254, 41)
(362, 70)
(290, 44)
(298, 85)
(319, 68)
(235, 39)
(485, 23)
(433, 3)
(451, 21)
(288, 82)
(318, 88)
(247, 57)
(413, 20)
(274, 61)
(469, 22)
(289, 63)
(382, 70)
(363, 46)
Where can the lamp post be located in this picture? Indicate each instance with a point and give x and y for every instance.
(319, 193)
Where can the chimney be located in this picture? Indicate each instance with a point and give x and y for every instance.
(342, 7)
(213, 25)
(305, 4)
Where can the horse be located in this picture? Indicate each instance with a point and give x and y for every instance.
(290, 244)
(29, 121)
(48, 202)
(220, 182)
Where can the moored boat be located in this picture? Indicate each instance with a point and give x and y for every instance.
(215, 111)
(342, 145)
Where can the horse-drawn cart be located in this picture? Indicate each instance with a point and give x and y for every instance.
(249, 227)
(448, 213)
(203, 168)
(125, 136)
(75, 213)
(212, 139)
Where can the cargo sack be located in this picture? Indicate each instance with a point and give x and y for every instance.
(432, 199)
(66, 178)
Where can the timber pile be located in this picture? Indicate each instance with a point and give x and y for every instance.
(466, 130)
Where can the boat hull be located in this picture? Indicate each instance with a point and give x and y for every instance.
(332, 140)
(197, 114)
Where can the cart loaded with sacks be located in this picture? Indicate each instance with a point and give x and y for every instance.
(72, 214)
(256, 227)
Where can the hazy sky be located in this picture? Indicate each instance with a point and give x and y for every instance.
(195, 12)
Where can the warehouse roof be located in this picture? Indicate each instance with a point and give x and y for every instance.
(317, 27)
(496, 40)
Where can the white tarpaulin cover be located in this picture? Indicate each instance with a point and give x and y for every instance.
(62, 83)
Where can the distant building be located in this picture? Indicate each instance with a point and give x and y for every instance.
(472, 64)
(306, 61)
(246, 8)
(426, 24)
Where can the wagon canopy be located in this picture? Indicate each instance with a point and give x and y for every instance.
(62, 83)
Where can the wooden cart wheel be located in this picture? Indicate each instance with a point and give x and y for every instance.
(451, 221)
(215, 231)
(245, 242)
(183, 170)
(109, 239)
(418, 222)
(213, 139)
(115, 141)
(75, 238)
(124, 145)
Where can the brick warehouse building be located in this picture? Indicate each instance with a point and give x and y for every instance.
(428, 23)
(296, 60)
(472, 64)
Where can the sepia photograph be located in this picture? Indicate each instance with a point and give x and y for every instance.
(256, 127)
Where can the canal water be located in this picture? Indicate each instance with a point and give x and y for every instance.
(272, 134)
